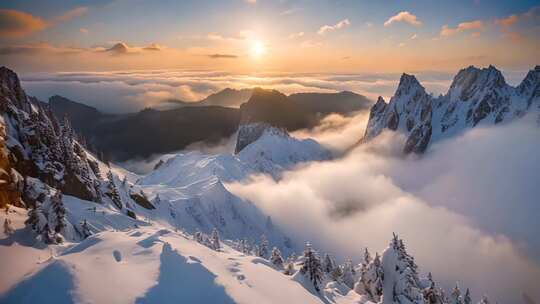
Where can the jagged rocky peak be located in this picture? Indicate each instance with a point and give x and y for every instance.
(475, 96)
(250, 132)
(378, 107)
(10, 86)
(530, 86)
(408, 84)
(470, 80)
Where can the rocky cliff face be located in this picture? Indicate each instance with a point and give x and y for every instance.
(35, 145)
(476, 96)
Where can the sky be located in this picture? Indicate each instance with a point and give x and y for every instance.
(253, 36)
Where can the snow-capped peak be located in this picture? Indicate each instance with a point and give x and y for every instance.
(530, 86)
(408, 85)
(475, 96)
(248, 133)
(469, 81)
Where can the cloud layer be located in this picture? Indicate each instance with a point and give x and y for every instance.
(466, 210)
(130, 91)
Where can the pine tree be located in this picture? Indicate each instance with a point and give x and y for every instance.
(455, 296)
(406, 284)
(371, 278)
(484, 300)
(276, 258)
(214, 239)
(467, 298)
(263, 248)
(58, 212)
(157, 200)
(347, 277)
(8, 228)
(367, 257)
(432, 294)
(312, 267)
(113, 191)
(328, 264)
(336, 274)
(199, 237)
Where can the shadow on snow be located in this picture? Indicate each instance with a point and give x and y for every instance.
(180, 281)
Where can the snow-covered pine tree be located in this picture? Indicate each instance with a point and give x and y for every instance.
(247, 247)
(432, 294)
(455, 296)
(347, 274)
(198, 236)
(112, 191)
(58, 213)
(263, 248)
(8, 227)
(37, 220)
(467, 298)
(336, 274)
(214, 240)
(312, 267)
(328, 264)
(484, 300)
(276, 258)
(371, 279)
(367, 257)
(85, 229)
(402, 273)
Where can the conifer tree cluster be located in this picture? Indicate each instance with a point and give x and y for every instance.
(312, 267)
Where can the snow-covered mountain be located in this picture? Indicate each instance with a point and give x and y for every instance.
(77, 230)
(476, 96)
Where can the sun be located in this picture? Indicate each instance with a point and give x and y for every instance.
(258, 49)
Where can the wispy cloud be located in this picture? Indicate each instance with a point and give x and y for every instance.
(475, 25)
(72, 14)
(296, 35)
(330, 28)
(403, 17)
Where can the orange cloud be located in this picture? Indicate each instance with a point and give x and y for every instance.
(462, 27)
(508, 21)
(403, 17)
(15, 23)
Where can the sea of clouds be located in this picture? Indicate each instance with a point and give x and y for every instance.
(467, 209)
(131, 91)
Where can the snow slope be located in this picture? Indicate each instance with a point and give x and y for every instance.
(148, 264)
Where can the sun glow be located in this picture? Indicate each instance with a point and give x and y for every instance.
(258, 49)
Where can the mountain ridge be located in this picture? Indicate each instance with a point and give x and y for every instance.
(475, 96)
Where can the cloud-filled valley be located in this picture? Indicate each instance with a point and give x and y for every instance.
(467, 209)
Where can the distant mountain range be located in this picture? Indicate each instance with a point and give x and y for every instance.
(230, 98)
(126, 136)
(476, 97)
